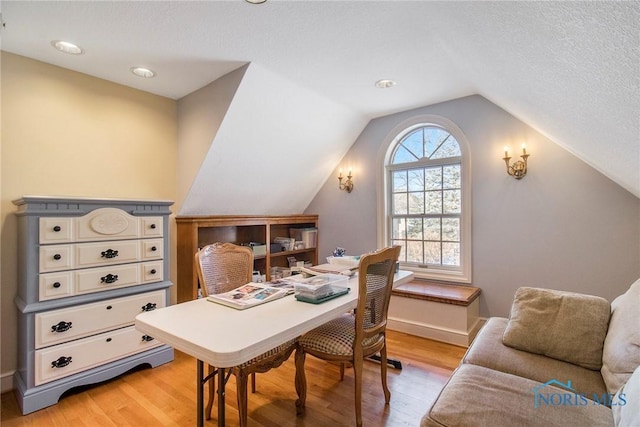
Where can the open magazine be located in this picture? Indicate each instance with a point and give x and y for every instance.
(250, 295)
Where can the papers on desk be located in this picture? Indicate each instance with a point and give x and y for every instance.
(319, 288)
(250, 295)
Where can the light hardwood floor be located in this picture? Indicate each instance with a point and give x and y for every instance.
(165, 396)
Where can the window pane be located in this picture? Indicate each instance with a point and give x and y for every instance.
(400, 204)
(402, 155)
(433, 178)
(432, 229)
(416, 203)
(399, 181)
(432, 252)
(413, 143)
(451, 201)
(403, 252)
(414, 252)
(416, 180)
(433, 138)
(414, 228)
(451, 229)
(451, 176)
(434, 202)
(450, 148)
(398, 228)
(451, 254)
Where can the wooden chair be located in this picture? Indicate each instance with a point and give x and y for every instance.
(354, 336)
(222, 267)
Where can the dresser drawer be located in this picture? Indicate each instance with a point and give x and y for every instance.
(104, 278)
(103, 253)
(62, 360)
(107, 224)
(152, 249)
(152, 271)
(151, 226)
(56, 258)
(58, 326)
(56, 230)
(56, 285)
(77, 282)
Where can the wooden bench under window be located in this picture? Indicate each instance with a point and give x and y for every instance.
(443, 312)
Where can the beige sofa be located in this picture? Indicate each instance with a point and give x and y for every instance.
(561, 359)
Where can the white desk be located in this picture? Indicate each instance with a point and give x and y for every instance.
(225, 337)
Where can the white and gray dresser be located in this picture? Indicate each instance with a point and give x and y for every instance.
(86, 268)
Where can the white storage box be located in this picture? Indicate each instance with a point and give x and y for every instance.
(318, 285)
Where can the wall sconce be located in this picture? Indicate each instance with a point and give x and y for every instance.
(519, 168)
(348, 183)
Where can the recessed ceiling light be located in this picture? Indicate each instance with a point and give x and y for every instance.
(385, 83)
(67, 47)
(143, 72)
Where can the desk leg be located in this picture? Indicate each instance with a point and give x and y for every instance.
(200, 393)
(221, 393)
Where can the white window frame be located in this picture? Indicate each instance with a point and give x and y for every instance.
(462, 275)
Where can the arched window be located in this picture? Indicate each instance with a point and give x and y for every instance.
(427, 204)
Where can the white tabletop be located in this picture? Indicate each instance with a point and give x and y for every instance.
(226, 337)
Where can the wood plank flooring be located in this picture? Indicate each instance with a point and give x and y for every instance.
(165, 396)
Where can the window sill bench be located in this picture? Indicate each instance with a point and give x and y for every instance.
(442, 312)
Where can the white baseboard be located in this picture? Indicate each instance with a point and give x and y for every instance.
(6, 382)
(438, 333)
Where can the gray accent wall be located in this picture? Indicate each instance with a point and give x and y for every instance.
(563, 226)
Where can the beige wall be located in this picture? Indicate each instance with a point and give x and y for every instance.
(69, 134)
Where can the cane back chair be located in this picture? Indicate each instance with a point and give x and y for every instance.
(353, 337)
(222, 267)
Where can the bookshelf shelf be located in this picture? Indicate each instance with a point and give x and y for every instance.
(194, 232)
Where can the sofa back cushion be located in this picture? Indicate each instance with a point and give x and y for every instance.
(626, 403)
(563, 325)
(621, 354)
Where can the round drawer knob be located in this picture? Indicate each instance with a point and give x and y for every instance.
(57, 257)
(56, 285)
(57, 228)
(153, 226)
(153, 249)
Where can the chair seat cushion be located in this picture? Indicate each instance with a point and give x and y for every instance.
(267, 355)
(335, 337)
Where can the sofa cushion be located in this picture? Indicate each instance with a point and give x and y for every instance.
(563, 325)
(488, 350)
(478, 396)
(626, 403)
(621, 354)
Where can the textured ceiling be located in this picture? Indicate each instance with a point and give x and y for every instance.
(569, 69)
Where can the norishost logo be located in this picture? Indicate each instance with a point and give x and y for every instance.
(557, 393)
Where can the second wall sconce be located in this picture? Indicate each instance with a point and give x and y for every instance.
(347, 185)
(519, 168)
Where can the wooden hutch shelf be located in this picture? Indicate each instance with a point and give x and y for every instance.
(195, 232)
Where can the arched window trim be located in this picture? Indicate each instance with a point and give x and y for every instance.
(463, 275)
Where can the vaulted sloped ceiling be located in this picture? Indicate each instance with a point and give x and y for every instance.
(569, 69)
(272, 153)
